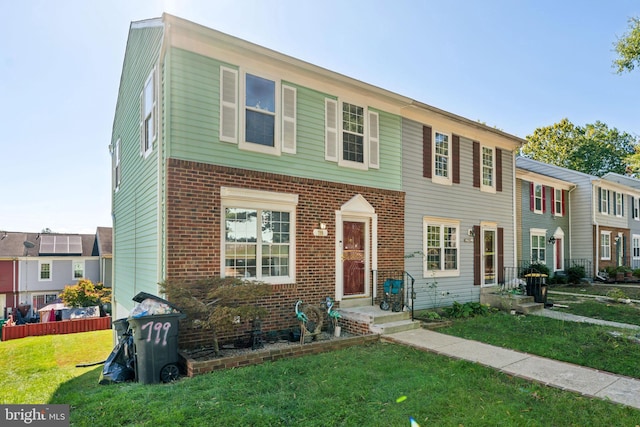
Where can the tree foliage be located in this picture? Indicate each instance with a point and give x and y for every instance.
(594, 148)
(85, 294)
(628, 48)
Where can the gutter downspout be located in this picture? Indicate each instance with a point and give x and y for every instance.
(570, 221)
(513, 198)
(596, 263)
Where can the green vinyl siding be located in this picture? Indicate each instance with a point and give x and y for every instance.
(193, 132)
(135, 245)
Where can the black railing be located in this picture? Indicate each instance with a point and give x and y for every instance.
(514, 277)
(524, 265)
(378, 278)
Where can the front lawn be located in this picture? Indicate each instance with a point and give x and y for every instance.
(376, 385)
(580, 343)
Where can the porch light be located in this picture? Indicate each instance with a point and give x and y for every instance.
(552, 240)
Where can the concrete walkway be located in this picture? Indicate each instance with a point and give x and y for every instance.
(566, 376)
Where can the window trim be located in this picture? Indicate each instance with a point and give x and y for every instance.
(602, 246)
(266, 200)
(277, 115)
(619, 204)
(73, 269)
(146, 144)
(558, 202)
(117, 171)
(635, 208)
(604, 201)
(536, 198)
(538, 232)
(41, 263)
(442, 223)
(489, 188)
(438, 179)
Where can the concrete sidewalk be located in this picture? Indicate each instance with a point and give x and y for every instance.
(566, 376)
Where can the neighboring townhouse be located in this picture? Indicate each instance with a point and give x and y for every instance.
(230, 159)
(35, 267)
(543, 221)
(633, 217)
(458, 176)
(599, 212)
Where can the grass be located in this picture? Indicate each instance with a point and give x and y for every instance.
(611, 311)
(632, 292)
(376, 385)
(34, 367)
(580, 343)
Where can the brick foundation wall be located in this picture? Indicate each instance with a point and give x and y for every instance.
(194, 233)
(194, 367)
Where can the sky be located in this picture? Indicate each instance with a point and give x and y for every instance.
(516, 65)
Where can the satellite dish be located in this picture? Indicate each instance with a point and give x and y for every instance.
(28, 244)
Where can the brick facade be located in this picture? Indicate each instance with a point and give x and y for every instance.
(194, 232)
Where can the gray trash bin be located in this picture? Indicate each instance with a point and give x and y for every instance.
(155, 343)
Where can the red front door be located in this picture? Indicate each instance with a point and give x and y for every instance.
(353, 257)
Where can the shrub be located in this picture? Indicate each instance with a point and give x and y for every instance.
(538, 268)
(468, 309)
(86, 294)
(218, 304)
(575, 274)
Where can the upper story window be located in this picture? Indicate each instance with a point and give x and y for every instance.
(619, 204)
(45, 270)
(604, 201)
(352, 141)
(538, 198)
(352, 133)
(635, 208)
(558, 201)
(441, 246)
(488, 169)
(116, 164)
(266, 116)
(78, 269)
(442, 157)
(148, 121)
(260, 110)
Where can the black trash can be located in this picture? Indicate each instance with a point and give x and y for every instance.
(537, 286)
(155, 342)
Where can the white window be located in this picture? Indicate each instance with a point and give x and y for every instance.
(78, 270)
(148, 119)
(259, 235)
(619, 204)
(488, 169)
(40, 300)
(538, 198)
(45, 270)
(635, 248)
(441, 247)
(604, 201)
(558, 205)
(441, 158)
(635, 206)
(539, 246)
(267, 114)
(116, 165)
(605, 245)
(353, 140)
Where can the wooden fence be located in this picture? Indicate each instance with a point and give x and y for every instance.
(53, 328)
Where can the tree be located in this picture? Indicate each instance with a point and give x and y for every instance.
(86, 294)
(628, 48)
(594, 148)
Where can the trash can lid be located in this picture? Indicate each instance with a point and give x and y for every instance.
(143, 296)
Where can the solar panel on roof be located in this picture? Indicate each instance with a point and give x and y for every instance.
(61, 245)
